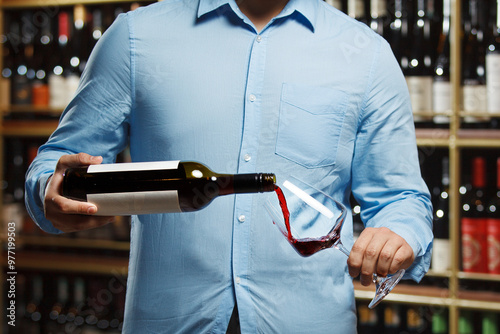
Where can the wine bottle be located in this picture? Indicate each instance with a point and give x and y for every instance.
(368, 320)
(335, 3)
(43, 57)
(356, 9)
(441, 257)
(399, 30)
(379, 18)
(75, 61)
(489, 323)
(75, 315)
(493, 226)
(21, 81)
(59, 310)
(441, 87)
(419, 72)
(473, 221)
(34, 309)
(392, 319)
(154, 187)
(465, 322)
(8, 65)
(439, 323)
(57, 82)
(493, 66)
(474, 82)
(415, 322)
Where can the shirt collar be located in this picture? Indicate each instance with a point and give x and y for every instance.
(306, 8)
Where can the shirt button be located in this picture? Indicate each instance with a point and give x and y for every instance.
(247, 157)
(252, 98)
(241, 218)
(238, 280)
(259, 39)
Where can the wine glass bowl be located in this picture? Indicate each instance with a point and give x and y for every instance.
(314, 218)
(311, 220)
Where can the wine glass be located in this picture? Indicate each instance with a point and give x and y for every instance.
(311, 221)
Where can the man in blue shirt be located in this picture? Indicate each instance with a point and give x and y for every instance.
(284, 86)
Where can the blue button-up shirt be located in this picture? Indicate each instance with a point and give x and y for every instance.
(315, 94)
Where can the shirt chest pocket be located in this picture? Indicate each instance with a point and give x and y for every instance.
(310, 124)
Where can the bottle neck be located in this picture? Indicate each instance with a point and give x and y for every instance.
(246, 183)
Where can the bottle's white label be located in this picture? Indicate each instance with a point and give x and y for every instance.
(441, 255)
(72, 82)
(441, 96)
(356, 8)
(420, 88)
(474, 101)
(135, 203)
(378, 8)
(493, 82)
(57, 92)
(133, 166)
(335, 3)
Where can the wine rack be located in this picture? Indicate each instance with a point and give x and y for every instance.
(455, 291)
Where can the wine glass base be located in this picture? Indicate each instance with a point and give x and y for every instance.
(384, 285)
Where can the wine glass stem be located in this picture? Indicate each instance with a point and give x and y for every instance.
(341, 248)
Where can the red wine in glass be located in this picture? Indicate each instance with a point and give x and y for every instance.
(305, 246)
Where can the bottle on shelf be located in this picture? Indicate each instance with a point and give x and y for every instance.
(8, 65)
(441, 86)
(439, 323)
(356, 9)
(23, 57)
(58, 313)
(474, 72)
(75, 315)
(335, 3)
(379, 21)
(441, 257)
(489, 323)
(78, 53)
(153, 187)
(493, 226)
(493, 65)
(415, 322)
(368, 320)
(43, 56)
(392, 319)
(419, 72)
(473, 221)
(465, 322)
(35, 313)
(97, 26)
(57, 82)
(399, 34)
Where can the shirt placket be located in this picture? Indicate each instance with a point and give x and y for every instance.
(247, 163)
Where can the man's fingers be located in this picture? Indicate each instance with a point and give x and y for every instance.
(67, 206)
(80, 159)
(380, 251)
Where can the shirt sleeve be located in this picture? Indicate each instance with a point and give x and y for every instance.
(95, 121)
(387, 182)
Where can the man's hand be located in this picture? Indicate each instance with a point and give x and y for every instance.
(65, 214)
(380, 251)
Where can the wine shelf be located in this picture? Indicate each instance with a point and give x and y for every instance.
(408, 294)
(15, 4)
(70, 242)
(77, 263)
(28, 128)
